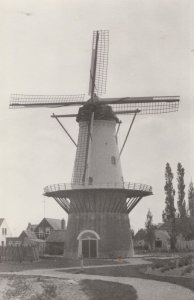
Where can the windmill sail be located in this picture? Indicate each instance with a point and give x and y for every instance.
(22, 101)
(145, 105)
(99, 63)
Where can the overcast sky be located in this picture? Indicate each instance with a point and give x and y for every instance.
(46, 49)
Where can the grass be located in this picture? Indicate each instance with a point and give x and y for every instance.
(26, 288)
(102, 290)
(138, 271)
(118, 271)
(49, 263)
(17, 287)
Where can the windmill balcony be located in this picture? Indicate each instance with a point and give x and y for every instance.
(128, 187)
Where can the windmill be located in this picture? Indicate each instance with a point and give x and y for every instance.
(97, 200)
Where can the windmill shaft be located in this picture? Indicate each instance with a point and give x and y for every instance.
(161, 99)
(47, 104)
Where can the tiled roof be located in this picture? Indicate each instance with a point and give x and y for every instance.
(1, 220)
(55, 223)
(31, 227)
(57, 236)
(29, 234)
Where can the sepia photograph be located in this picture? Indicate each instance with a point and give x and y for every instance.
(96, 150)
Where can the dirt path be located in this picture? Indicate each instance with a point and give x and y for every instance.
(146, 289)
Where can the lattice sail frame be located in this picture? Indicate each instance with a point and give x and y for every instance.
(101, 63)
(147, 105)
(22, 101)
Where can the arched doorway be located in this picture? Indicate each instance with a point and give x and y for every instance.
(88, 244)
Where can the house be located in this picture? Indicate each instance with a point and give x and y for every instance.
(29, 238)
(31, 227)
(55, 243)
(184, 231)
(183, 227)
(4, 231)
(161, 240)
(27, 234)
(47, 225)
(140, 239)
(32, 247)
(13, 241)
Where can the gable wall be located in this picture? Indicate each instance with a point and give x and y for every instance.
(3, 234)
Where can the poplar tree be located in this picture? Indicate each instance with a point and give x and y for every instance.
(169, 212)
(191, 199)
(182, 213)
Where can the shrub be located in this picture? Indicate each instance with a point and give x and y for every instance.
(188, 269)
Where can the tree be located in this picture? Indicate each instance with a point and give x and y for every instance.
(191, 199)
(181, 191)
(149, 227)
(169, 212)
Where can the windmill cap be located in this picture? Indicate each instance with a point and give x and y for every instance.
(101, 112)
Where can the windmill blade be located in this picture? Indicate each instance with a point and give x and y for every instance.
(145, 105)
(23, 101)
(99, 62)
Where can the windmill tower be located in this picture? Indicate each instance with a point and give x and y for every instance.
(98, 201)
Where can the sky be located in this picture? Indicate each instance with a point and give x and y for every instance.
(46, 49)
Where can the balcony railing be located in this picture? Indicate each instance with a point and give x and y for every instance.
(71, 186)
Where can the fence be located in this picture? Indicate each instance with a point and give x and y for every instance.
(185, 245)
(19, 253)
(124, 185)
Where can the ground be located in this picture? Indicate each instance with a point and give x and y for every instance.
(130, 279)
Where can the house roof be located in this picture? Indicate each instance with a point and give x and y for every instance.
(54, 223)
(1, 220)
(29, 234)
(31, 226)
(56, 236)
(159, 234)
(29, 242)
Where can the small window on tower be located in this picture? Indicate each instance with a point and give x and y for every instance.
(90, 180)
(113, 160)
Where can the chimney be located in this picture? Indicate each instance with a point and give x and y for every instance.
(63, 224)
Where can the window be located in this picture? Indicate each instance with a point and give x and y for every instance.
(4, 231)
(90, 180)
(47, 231)
(113, 160)
(158, 244)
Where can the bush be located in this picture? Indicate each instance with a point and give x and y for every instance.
(188, 269)
(165, 268)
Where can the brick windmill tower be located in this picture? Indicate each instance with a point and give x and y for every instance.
(98, 201)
